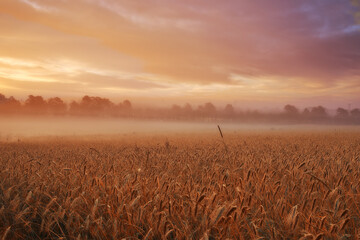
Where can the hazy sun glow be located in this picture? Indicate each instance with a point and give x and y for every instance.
(183, 51)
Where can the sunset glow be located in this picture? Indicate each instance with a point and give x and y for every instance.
(179, 119)
(248, 53)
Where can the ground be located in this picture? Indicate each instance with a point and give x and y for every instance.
(247, 185)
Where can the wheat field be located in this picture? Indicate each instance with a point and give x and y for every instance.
(272, 185)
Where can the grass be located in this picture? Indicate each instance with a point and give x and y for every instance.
(287, 185)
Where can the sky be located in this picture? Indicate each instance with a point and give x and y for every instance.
(248, 53)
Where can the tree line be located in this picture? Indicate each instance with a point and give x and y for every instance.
(100, 107)
(87, 106)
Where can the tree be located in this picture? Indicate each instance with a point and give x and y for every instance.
(13, 103)
(208, 109)
(175, 108)
(188, 111)
(229, 110)
(35, 104)
(56, 106)
(306, 112)
(188, 108)
(127, 104)
(124, 108)
(342, 113)
(9, 105)
(318, 112)
(175, 111)
(291, 110)
(95, 105)
(74, 108)
(2, 98)
(355, 113)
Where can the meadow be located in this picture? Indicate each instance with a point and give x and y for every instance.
(247, 185)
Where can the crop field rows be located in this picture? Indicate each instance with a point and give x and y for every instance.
(286, 185)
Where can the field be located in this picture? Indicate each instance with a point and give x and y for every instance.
(271, 185)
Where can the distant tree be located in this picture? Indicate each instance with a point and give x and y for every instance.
(121, 109)
(56, 106)
(35, 105)
(74, 108)
(3, 99)
(35, 101)
(127, 104)
(207, 110)
(229, 110)
(318, 112)
(95, 105)
(9, 105)
(14, 103)
(86, 99)
(342, 113)
(175, 108)
(188, 111)
(188, 108)
(306, 112)
(209, 107)
(291, 110)
(355, 113)
(175, 111)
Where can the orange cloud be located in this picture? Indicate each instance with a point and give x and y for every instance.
(221, 50)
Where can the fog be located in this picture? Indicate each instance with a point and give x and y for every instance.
(23, 127)
(19, 127)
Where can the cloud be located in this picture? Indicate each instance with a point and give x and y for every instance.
(145, 18)
(38, 7)
(189, 46)
(63, 58)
